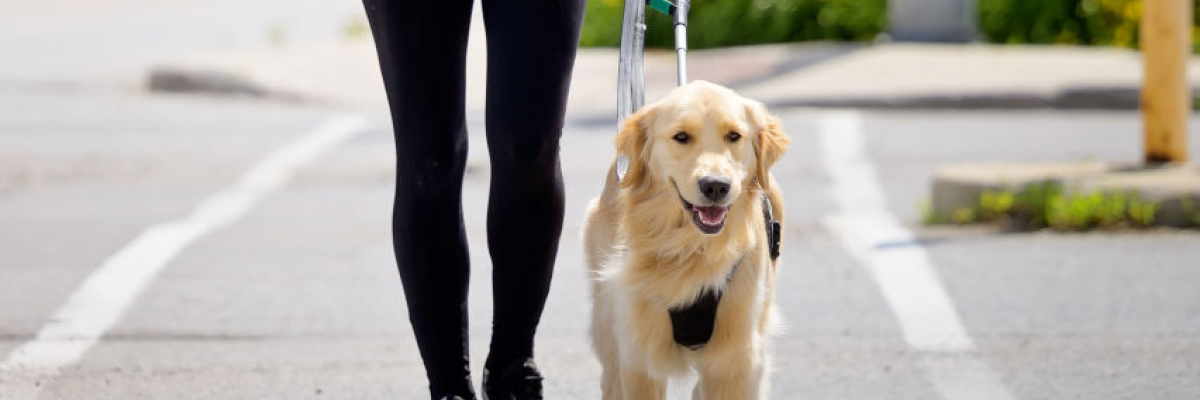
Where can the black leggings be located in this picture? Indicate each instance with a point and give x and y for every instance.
(422, 52)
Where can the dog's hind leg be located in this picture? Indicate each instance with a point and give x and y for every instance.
(604, 343)
(610, 386)
(606, 351)
(745, 381)
(743, 385)
(698, 392)
(638, 385)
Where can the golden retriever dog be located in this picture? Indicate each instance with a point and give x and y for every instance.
(686, 226)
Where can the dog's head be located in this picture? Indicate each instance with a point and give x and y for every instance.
(704, 144)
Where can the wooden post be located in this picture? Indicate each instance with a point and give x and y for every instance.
(1166, 96)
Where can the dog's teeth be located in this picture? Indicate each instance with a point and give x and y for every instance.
(710, 215)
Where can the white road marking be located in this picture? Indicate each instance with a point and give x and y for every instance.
(900, 266)
(105, 294)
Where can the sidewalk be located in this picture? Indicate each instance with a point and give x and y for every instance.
(966, 76)
(812, 74)
(788, 75)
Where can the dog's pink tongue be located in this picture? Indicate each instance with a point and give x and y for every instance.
(711, 215)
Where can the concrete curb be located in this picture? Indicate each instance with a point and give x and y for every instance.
(783, 76)
(1075, 98)
(1176, 188)
(1081, 98)
(214, 82)
(177, 80)
(218, 82)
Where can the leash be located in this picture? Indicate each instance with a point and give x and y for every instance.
(631, 80)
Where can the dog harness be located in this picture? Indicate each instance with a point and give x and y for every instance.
(692, 325)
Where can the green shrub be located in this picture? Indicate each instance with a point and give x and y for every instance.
(965, 216)
(1032, 203)
(1093, 22)
(716, 23)
(994, 205)
(1044, 205)
(1100, 210)
(1189, 208)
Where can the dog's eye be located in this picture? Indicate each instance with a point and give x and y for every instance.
(681, 137)
(733, 136)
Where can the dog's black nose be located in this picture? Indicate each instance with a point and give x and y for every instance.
(714, 188)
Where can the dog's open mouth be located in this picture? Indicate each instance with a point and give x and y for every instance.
(710, 219)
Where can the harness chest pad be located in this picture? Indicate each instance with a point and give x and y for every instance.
(692, 325)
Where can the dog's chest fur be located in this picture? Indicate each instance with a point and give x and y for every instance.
(669, 265)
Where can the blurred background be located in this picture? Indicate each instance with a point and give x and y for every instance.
(987, 199)
(732, 23)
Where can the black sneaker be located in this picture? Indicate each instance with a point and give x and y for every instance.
(468, 396)
(520, 381)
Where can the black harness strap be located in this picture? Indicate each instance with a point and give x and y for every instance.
(692, 325)
(773, 227)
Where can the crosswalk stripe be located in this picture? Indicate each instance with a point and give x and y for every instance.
(108, 291)
(900, 266)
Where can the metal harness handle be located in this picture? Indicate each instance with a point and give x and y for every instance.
(631, 80)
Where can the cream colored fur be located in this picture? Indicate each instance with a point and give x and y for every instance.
(645, 254)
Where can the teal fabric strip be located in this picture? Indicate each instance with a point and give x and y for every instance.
(662, 6)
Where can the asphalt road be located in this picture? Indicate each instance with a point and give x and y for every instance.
(74, 44)
(298, 296)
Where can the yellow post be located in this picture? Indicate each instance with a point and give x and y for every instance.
(1166, 95)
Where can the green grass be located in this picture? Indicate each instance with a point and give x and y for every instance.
(355, 28)
(1189, 207)
(277, 35)
(1039, 206)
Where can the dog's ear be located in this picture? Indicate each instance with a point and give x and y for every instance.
(631, 141)
(771, 142)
